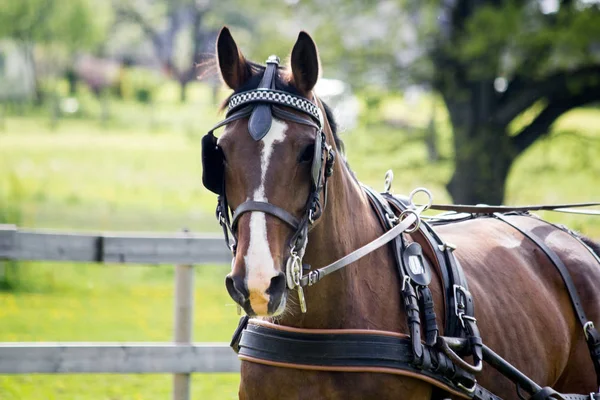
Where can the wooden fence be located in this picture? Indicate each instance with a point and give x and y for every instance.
(182, 357)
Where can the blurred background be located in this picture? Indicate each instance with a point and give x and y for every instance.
(103, 104)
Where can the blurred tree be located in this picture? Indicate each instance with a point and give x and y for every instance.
(168, 23)
(492, 61)
(80, 25)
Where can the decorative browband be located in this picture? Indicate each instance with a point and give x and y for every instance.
(275, 97)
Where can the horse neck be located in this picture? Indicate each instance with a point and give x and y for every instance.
(344, 299)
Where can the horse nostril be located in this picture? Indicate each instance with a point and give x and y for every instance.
(277, 284)
(237, 288)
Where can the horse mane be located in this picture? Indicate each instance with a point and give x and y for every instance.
(591, 244)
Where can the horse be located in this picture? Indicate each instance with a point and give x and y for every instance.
(523, 310)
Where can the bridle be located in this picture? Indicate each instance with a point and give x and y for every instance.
(261, 105)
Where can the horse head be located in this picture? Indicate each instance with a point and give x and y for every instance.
(273, 159)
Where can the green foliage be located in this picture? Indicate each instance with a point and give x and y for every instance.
(515, 37)
(140, 84)
(78, 25)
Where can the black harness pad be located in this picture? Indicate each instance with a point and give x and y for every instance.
(213, 174)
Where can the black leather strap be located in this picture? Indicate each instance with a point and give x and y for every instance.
(428, 310)
(267, 208)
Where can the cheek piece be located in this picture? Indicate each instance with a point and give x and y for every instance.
(261, 105)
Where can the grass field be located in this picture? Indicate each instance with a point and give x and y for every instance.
(141, 171)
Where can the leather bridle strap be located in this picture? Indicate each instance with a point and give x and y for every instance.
(267, 208)
(315, 276)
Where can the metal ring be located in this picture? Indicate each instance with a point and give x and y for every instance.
(459, 361)
(389, 178)
(292, 272)
(417, 222)
(418, 190)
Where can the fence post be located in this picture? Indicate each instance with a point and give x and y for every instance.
(184, 311)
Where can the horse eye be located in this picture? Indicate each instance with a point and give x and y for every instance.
(307, 154)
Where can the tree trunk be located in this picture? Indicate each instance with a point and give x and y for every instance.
(183, 91)
(483, 161)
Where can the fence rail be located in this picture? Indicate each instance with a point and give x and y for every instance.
(134, 248)
(117, 358)
(180, 358)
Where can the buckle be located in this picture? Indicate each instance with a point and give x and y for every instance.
(393, 220)
(313, 277)
(460, 304)
(586, 328)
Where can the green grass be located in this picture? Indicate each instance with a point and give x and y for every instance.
(69, 302)
(141, 170)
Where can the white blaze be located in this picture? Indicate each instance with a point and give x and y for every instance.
(260, 267)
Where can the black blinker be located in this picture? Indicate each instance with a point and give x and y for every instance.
(213, 174)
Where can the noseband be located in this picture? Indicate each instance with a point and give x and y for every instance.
(261, 105)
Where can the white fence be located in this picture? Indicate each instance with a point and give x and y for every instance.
(182, 357)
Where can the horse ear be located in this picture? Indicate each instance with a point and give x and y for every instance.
(235, 71)
(305, 63)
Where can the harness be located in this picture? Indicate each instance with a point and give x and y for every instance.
(438, 360)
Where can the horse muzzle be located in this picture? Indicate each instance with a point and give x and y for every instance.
(269, 302)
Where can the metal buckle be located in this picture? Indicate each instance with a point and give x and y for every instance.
(587, 326)
(459, 304)
(393, 220)
(313, 277)
(466, 389)
(273, 59)
(405, 281)
(311, 213)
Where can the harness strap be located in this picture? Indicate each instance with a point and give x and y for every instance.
(428, 307)
(267, 208)
(591, 334)
(357, 350)
(316, 275)
(485, 209)
(560, 267)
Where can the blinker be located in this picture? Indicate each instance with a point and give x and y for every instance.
(262, 118)
(212, 164)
